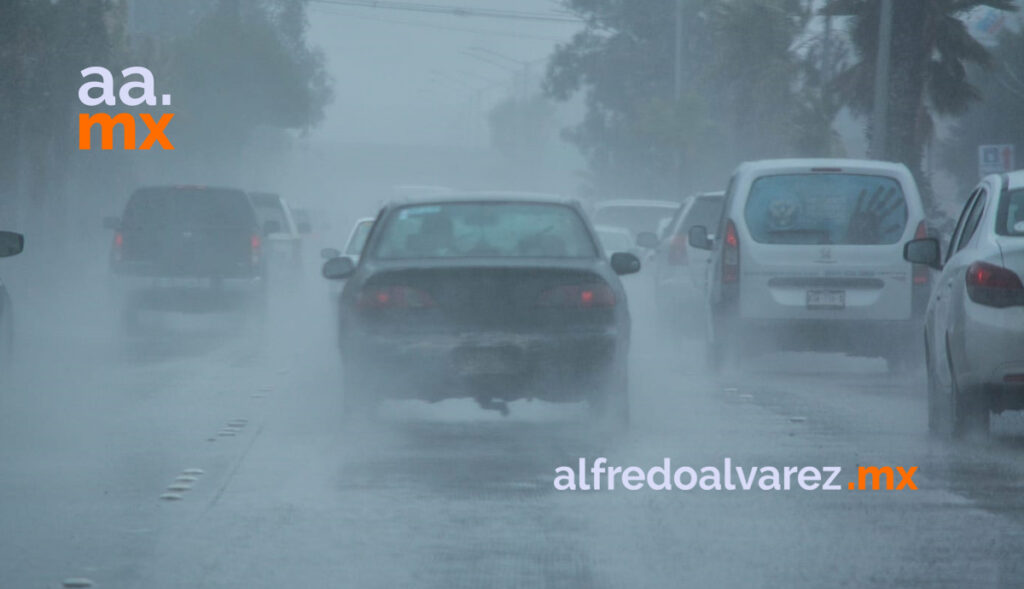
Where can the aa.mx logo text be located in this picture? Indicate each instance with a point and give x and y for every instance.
(133, 92)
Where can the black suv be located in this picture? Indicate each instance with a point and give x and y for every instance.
(186, 249)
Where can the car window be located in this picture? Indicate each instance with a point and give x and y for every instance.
(269, 208)
(1011, 214)
(187, 207)
(454, 230)
(614, 241)
(958, 229)
(358, 239)
(839, 209)
(971, 224)
(636, 218)
(705, 211)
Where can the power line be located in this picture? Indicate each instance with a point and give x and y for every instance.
(423, 25)
(455, 10)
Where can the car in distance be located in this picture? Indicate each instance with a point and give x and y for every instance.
(808, 256)
(680, 272)
(186, 249)
(638, 216)
(974, 324)
(616, 239)
(282, 238)
(11, 244)
(353, 249)
(489, 297)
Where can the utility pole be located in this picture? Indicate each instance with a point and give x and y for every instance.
(678, 91)
(879, 130)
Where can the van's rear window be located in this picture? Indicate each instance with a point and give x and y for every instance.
(837, 209)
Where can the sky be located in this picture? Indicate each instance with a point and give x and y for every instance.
(405, 77)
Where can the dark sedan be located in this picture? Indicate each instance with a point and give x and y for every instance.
(495, 298)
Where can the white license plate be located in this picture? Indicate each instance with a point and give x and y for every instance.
(826, 299)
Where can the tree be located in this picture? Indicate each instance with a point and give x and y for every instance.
(998, 118)
(742, 94)
(927, 73)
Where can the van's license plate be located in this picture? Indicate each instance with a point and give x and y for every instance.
(826, 299)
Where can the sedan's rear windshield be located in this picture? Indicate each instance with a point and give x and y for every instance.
(188, 207)
(839, 209)
(464, 230)
(1011, 214)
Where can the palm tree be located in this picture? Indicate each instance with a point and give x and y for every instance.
(927, 75)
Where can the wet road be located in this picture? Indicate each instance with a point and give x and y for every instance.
(447, 495)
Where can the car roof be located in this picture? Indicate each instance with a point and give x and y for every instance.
(636, 202)
(483, 196)
(712, 194)
(1015, 180)
(816, 164)
(613, 229)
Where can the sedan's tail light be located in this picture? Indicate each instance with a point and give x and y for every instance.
(394, 297)
(730, 254)
(585, 296)
(994, 286)
(677, 251)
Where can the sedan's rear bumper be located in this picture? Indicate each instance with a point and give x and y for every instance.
(496, 365)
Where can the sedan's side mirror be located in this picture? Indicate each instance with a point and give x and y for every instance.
(304, 227)
(625, 263)
(647, 240)
(925, 251)
(270, 227)
(338, 268)
(11, 244)
(698, 237)
(112, 223)
(329, 252)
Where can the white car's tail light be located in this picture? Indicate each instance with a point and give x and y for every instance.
(994, 286)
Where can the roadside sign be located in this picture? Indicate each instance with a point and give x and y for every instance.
(995, 159)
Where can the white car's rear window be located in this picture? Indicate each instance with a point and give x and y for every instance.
(832, 208)
(1011, 214)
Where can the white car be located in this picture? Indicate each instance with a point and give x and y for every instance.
(616, 239)
(808, 256)
(974, 325)
(679, 272)
(639, 216)
(282, 238)
(357, 238)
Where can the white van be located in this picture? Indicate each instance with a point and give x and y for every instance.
(808, 257)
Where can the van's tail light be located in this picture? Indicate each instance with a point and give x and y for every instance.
(585, 296)
(677, 251)
(394, 297)
(118, 250)
(994, 286)
(920, 271)
(730, 254)
(255, 249)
